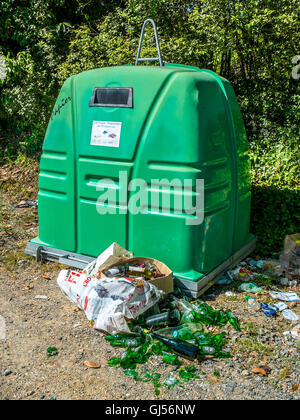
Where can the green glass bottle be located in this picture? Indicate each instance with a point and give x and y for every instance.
(171, 359)
(126, 342)
(219, 339)
(223, 354)
(171, 381)
(233, 320)
(120, 336)
(182, 304)
(159, 348)
(135, 271)
(164, 318)
(183, 334)
(188, 317)
(207, 350)
(128, 359)
(213, 351)
(131, 357)
(141, 353)
(201, 339)
(114, 361)
(188, 373)
(184, 349)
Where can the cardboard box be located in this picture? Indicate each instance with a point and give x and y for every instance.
(290, 257)
(291, 242)
(166, 283)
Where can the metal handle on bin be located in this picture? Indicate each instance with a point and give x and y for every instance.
(138, 59)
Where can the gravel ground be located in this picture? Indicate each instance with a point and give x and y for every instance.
(33, 325)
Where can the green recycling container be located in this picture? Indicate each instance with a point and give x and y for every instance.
(154, 158)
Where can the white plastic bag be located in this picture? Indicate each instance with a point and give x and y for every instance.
(108, 302)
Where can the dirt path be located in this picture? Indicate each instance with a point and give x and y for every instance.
(33, 325)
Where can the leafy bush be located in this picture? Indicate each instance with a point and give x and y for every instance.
(35, 41)
(275, 177)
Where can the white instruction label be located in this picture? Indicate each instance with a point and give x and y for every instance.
(106, 133)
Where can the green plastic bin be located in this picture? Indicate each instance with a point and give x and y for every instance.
(172, 122)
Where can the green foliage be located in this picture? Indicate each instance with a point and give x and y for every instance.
(15, 143)
(33, 48)
(35, 41)
(275, 173)
(275, 213)
(250, 43)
